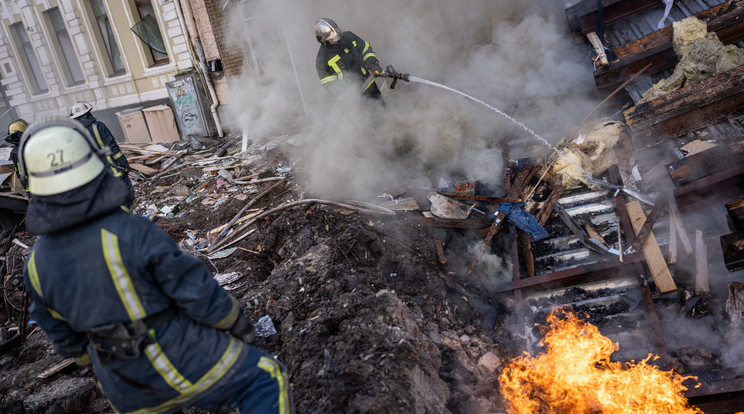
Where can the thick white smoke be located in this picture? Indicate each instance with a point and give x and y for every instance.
(517, 56)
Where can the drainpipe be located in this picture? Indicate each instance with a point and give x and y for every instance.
(186, 16)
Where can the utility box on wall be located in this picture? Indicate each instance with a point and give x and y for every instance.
(133, 124)
(191, 106)
(161, 123)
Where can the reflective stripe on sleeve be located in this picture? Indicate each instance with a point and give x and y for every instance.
(328, 79)
(120, 276)
(273, 368)
(231, 317)
(114, 170)
(369, 55)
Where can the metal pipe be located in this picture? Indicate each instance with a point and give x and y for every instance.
(188, 13)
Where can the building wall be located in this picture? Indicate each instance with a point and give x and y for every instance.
(141, 83)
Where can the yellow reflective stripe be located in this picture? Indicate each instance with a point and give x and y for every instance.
(118, 155)
(332, 63)
(83, 360)
(272, 367)
(328, 79)
(56, 315)
(116, 172)
(165, 368)
(33, 275)
(353, 42)
(126, 209)
(120, 276)
(369, 55)
(366, 47)
(229, 357)
(231, 317)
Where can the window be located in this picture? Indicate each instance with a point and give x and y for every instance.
(65, 51)
(107, 35)
(147, 29)
(29, 60)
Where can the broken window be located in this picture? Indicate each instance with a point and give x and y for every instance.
(107, 35)
(29, 60)
(148, 31)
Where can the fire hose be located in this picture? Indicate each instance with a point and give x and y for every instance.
(389, 72)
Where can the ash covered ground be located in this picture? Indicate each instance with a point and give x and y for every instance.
(368, 319)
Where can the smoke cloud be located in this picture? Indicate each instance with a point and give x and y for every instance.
(516, 56)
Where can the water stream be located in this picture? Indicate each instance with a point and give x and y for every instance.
(522, 126)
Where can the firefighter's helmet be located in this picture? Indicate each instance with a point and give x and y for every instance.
(327, 30)
(58, 155)
(79, 109)
(19, 125)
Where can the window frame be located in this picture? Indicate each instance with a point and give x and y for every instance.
(64, 58)
(27, 65)
(106, 39)
(152, 59)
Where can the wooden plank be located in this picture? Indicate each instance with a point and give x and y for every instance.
(439, 247)
(143, 169)
(598, 48)
(703, 164)
(583, 15)
(735, 211)
(573, 272)
(726, 19)
(681, 232)
(687, 109)
(593, 233)
(641, 235)
(732, 247)
(56, 368)
(547, 208)
(701, 264)
(651, 251)
(526, 248)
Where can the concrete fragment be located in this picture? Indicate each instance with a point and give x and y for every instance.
(490, 363)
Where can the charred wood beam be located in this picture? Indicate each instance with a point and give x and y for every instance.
(616, 12)
(726, 19)
(547, 208)
(705, 183)
(657, 329)
(577, 271)
(736, 214)
(688, 109)
(527, 256)
(732, 246)
(582, 16)
(703, 164)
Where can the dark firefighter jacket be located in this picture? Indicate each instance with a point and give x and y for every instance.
(350, 60)
(98, 274)
(105, 138)
(14, 139)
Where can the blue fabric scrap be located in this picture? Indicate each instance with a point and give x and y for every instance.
(516, 215)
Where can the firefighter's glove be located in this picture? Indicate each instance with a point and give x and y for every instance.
(244, 330)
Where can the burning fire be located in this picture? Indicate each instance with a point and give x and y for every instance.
(576, 375)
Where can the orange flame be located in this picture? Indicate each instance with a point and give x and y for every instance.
(575, 375)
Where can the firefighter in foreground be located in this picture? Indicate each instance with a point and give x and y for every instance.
(81, 112)
(112, 289)
(345, 57)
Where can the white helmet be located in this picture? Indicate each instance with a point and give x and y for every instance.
(327, 30)
(57, 156)
(79, 109)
